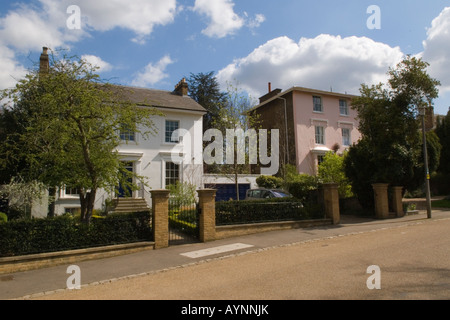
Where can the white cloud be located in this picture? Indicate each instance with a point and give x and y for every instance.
(256, 22)
(153, 73)
(97, 62)
(139, 16)
(223, 20)
(11, 71)
(320, 63)
(437, 49)
(29, 27)
(26, 29)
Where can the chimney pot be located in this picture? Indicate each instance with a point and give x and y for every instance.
(44, 66)
(182, 88)
(270, 87)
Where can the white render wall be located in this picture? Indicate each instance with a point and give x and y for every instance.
(242, 179)
(149, 157)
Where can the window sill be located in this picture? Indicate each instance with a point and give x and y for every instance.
(66, 197)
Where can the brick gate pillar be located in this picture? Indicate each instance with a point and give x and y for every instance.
(381, 200)
(398, 201)
(331, 201)
(160, 221)
(207, 202)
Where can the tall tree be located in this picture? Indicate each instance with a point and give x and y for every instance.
(390, 149)
(71, 129)
(411, 83)
(205, 90)
(238, 127)
(443, 132)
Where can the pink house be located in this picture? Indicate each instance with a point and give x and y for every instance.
(311, 123)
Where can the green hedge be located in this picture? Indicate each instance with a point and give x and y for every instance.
(270, 210)
(22, 237)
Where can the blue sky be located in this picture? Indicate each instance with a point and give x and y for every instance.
(319, 44)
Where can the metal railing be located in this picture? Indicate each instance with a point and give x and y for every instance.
(183, 221)
(247, 212)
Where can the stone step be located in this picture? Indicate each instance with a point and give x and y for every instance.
(125, 205)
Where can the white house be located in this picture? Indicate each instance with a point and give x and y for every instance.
(174, 154)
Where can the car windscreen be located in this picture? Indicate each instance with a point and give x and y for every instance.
(279, 194)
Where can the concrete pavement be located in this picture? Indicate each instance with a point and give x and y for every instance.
(44, 281)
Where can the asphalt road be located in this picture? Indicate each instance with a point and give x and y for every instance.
(413, 260)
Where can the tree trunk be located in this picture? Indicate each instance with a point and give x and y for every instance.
(87, 201)
(51, 205)
(236, 181)
(90, 206)
(83, 205)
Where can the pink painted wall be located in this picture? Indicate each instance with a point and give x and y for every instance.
(305, 120)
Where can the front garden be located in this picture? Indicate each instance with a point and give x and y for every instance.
(30, 236)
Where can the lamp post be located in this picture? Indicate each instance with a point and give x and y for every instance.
(422, 112)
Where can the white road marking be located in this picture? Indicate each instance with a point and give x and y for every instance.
(216, 250)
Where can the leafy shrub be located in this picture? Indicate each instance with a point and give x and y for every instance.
(360, 167)
(269, 182)
(282, 209)
(183, 192)
(16, 213)
(21, 237)
(331, 170)
(3, 217)
(301, 187)
(439, 183)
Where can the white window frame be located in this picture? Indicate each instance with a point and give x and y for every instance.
(165, 132)
(344, 137)
(347, 112)
(125, 135)
(314, 104)
(318, 134)
(64, 195)
(165, 172)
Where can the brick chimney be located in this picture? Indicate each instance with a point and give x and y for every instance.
(44, 66)
(182, 88)
(270, 95)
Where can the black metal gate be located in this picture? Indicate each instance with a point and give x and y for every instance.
(183, 222)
